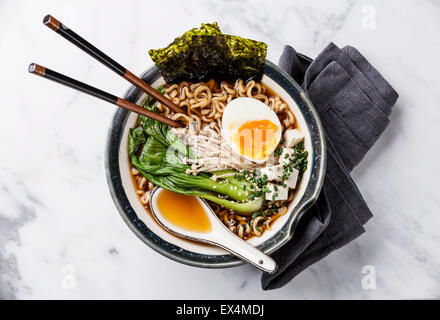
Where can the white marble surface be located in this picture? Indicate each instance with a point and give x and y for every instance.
(60, 235)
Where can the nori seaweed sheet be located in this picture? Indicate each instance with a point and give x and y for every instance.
(205, 53)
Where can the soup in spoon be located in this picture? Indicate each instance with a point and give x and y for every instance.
(183, 211)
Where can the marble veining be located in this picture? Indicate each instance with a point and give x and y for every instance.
(60, 234)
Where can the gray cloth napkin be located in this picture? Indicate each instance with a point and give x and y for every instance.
(354, 103)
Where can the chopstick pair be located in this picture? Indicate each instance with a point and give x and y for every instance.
(74, 38)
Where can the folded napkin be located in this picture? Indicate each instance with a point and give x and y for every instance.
(354, 103)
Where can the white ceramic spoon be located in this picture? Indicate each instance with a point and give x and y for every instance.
(219, 236)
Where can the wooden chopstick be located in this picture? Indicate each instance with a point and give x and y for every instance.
(75, 84)
(83, 44)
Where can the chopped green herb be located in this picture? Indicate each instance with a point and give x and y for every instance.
(257, 214)
(278, 152)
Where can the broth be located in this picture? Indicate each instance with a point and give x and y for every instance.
(183, 211)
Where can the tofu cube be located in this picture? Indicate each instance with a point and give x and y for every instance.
(293, 179)
(276, 192)
(272, 173)
(292, 137)
(276, 173)
(286, 156)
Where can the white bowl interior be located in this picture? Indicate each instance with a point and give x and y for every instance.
(148, 219)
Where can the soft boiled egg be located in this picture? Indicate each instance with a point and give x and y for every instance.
(251, 128)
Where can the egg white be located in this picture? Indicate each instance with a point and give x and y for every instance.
(242, 110)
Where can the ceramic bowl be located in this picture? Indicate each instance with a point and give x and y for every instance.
(146, 228)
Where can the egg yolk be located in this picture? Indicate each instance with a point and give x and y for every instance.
(256, 139)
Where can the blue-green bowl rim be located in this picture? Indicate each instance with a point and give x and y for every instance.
(176, 253)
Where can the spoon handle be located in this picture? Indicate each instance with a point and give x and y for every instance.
(247, 252)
